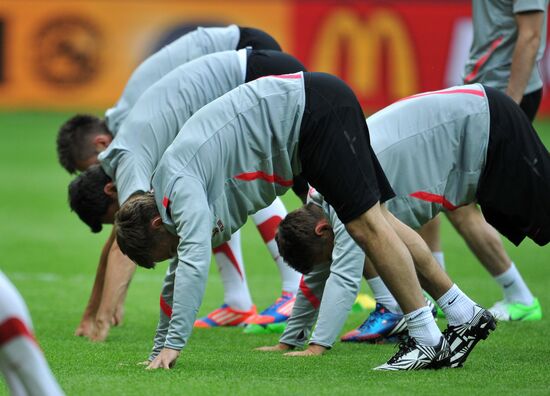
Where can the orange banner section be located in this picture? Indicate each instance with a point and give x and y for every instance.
(67, 54)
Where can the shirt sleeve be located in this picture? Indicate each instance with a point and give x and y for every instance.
(304, 312)
(166, 302)
(191, 215)
(341, 287)
(529, 5)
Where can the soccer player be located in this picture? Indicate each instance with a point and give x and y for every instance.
(439, 150)
(128, 163)
(81, 138)
(508, 44)
(235, 155)
(21, 361)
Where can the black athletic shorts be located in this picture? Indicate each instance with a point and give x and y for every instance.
(261, 63)
(514, 189)
(257, 39)
(335, 151)
(530, 104)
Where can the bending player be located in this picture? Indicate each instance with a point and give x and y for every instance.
(440, 150)
(244, 150)
(82, 137)
(508, 44)
(21, 361)
(151, 126)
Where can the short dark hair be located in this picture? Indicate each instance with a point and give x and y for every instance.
(134, 234)
(297, 240)
(73, 138)
(87, 196)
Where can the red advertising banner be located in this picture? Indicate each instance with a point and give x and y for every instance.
(67, 54)
(387, 49)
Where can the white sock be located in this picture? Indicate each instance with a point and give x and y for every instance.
(382, 295)
(422, 327)
(230, 263)
(513, 286)
(457, 306)
(440, 258)
(267, 220)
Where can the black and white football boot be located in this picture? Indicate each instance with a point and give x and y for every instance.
(463, 338)
(412, 356)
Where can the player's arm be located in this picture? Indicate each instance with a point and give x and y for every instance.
(340, 291)
(191, 214)
(118, 275)
(304, 312)
(166, 302)
(525, 52)
(87, 323)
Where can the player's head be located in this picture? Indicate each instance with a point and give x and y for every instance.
(93, 196)
(80, 140)
(305, 238)
(140, 233)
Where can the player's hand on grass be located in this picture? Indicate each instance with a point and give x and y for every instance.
(312, 350)
(86, 327)
(101, 331)
(275, 348)
(166, 359)
(144, 363)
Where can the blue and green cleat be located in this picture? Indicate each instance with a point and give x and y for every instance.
(381, 326)
(273, 319)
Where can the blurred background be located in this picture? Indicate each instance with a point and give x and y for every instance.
(69, 54)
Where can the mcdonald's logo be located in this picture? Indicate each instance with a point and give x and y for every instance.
(374, 55)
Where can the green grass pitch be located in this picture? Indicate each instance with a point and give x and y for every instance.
(51, 257)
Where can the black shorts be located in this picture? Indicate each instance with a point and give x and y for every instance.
(335, 150)
(530, 104)
(261, 63)
(514, 189)
(257, 39)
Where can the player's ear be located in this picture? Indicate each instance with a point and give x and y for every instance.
(321, 227)
(101, 142)
(156, 222)
(110, 190)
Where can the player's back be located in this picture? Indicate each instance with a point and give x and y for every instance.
(159, 114)
(193, 45)
(432, 147)
(242, 146)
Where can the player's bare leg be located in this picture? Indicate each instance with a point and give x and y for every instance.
(485, 242)
(431, 276)
(431, 234)
(390, 256)
(481, 237)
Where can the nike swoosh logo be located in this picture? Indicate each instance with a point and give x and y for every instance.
(452, 301)
(508, 285)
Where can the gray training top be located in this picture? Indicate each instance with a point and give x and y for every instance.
(195, 44)
(495, 35)
(432, 148)
(159, 114)
(241, 154)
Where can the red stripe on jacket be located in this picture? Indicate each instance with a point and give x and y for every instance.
(466, 91)
(251, 176)
(167, 309)
(309, 294)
